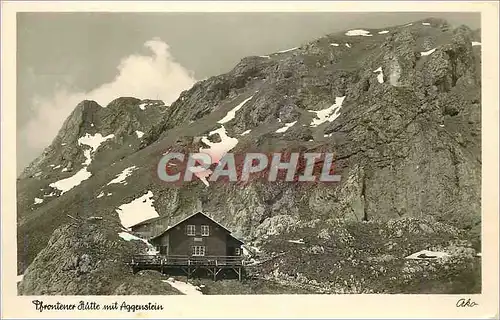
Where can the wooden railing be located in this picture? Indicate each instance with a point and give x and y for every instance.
(178, 260)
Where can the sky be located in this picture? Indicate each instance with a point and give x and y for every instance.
(64, 58)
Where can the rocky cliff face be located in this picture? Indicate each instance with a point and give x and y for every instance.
(90, 260)
(406, 135)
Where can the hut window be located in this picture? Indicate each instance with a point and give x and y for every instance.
(205, 230)
(198, 250)
(237, 251)
(191, 230)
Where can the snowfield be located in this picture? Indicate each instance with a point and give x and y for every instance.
(137, 210)
(232, 113)
(288, 50)
(218, 149)
(426, 254)
(358, 32)
(120, 178)
(426, 53)
(130, 237)
(328, 114)
(67, 184)
(245, 132)
(186, 288)
(93, 141)
(380, 76)
(286, 127)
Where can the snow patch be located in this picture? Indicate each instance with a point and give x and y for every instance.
(130, 237)
(94, 141)
(383, 32)
(288, 50)
(245, 132)
(137, 210)
(426, 24)
(139, 134)
(38, 201)
(19, 277)
(88, 157)
(347, 45)
(286, 127)
(358, 32)
(120, 178)
(143, 105)
(249, 250)
(56, 167)
(328, 114)
(64, 170)
(334, 44)
(380, 76)
(266, 57)
(409, 24)
(67, 184)
(475, 43)
(426, 53)
(232, 113)
(426, 254)
(100, 195)
(184, 287)
(218, 149)
(300, 241)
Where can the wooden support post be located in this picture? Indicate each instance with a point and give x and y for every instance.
(238, 272)
(216, 271)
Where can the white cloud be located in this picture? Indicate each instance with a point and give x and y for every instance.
(154, 76)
